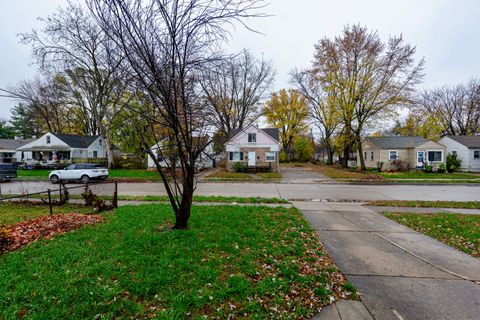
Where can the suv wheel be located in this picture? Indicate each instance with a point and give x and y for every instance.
(85, 179)
(54, 179)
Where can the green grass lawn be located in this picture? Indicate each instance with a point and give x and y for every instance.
(241, 262)
(113, 174)
(11, 213)
(427, 176)
(427, 204)
(457, 230)
(214, 199)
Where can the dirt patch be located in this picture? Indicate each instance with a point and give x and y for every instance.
(25, 232)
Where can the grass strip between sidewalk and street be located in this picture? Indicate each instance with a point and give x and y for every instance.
(457, 230)
(426, 204)
(153, 198)
(233, 262)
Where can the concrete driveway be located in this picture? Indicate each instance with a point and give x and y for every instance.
(283, 190)
(301, 175)
(400, 273)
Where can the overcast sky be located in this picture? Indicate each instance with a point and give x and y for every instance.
(446, 33)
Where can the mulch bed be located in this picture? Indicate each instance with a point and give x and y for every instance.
(25, 232)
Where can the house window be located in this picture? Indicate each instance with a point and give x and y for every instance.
(371, 155)
(48, 139)
(476, 154)
(435, 156)
(95, 154)
(100, 141)
(235, 156)
(365, 155)
(270, 156)
(252, 137)
(392, 155)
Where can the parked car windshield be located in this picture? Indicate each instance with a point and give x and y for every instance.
(70, 167)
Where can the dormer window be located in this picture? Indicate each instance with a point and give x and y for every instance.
(252, 137)
(48, 139)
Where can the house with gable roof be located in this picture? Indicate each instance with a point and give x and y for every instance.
(257, 148)
(467, 149)
(416, 151)
(65, 147)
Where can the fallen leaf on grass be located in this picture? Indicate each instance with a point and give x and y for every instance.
(46, 227)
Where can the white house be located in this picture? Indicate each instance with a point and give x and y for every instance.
(467, 149)
(9, 153)
(66, 147)
(205, 160)
(254, 147)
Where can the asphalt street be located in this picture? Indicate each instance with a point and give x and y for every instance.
(292, 191)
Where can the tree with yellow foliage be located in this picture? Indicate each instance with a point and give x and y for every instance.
(287, 111)
(369, 78)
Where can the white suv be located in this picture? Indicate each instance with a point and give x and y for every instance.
(83, 172)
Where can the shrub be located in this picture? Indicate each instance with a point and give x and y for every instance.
(239, 167)
(441, 168)
(453, 163)
(303, 149)
(379, 166)
(428, 168)
(282, 156)
(399, 165)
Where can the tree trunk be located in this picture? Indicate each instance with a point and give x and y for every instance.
(360, 154)
(182, 215)
(346, 156)
(110, 155)
(330, 151)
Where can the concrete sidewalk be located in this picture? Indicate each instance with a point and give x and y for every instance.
(423, 210)
(401, 274)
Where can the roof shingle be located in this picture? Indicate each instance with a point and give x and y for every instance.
(76, 141)
(397, 142)
(468, 141)
(13, 144)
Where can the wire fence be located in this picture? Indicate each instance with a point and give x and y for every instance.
(89, 198)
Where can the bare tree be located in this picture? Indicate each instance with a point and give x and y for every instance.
(322, 108)
(167, 44)
(234, 90)
(370, 78)
(43, 96)
(456, 108)
(73, 44)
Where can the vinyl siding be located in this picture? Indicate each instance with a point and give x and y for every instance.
(463, 152)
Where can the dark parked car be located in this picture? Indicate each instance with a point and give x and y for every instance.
(8, 171)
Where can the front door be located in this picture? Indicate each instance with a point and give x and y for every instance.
(251, 158)
(420, 158)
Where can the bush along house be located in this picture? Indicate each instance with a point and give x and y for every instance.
(409, 152)
(252, 148)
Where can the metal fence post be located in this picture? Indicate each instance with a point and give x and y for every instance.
(60, 192)
(115, 196)
(50, 201)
